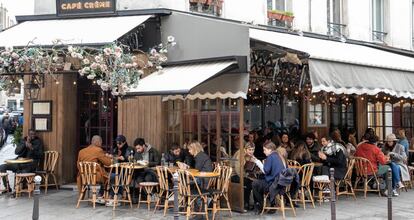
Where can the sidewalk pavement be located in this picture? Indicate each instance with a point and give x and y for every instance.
(61, 205)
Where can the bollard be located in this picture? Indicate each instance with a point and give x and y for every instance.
(36, 193)
(389, 189)
(175, 180)
(333, 196)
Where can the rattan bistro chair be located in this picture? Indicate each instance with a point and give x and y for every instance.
(49, 165)
(88, 173)
(165, 191)
(307, 171)
(221, 190)
(122, 179)
(346, 181)
(280, 200)
(362, 166)
(185, 180)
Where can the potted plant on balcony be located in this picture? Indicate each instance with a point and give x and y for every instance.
(275, 14)
(288, 16)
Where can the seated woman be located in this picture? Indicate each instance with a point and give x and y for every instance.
(286, 143)
(272, 168)
(397, 155)
(300, 153)
(312, 146)
(332, 155)
(202, 161)
(252, 167)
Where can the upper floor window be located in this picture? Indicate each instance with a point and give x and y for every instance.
(378, 22)
(213, 7)
(412, 25)
(336, 25)
(279, 13)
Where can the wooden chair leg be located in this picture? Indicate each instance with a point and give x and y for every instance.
(94, 196)
(282, 206)
(139, 197)
(46, 176)
(365, 188)
(310, 196)
(54, 179)
(228, 204)
(302, 191)
(82, 193)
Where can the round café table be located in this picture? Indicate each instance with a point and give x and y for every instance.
(28, 176)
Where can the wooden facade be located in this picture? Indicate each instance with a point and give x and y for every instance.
(62, 137)
(142, 116)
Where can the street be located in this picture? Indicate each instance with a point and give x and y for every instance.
(61, 205)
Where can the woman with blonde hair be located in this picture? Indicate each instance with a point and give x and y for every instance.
(252, 168)
(202, 160)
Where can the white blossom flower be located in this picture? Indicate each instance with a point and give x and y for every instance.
(55, 59)
(128, 65)
(134, 64)
(91, 76)
(114, 93)
(79, 56)
(107, 51)
(122, 65)
(99, 82)
(85, 61)
(140, 72)
(73, 54)
(150, 64)
(81, 72)
(170, 39)
(118, 54)
(9, 49)
(15, 55)
(98, 59)
(5, 53)
(104, 86)
(118, 50)
(94, 66)
(173, 43)
(70, 49)
(159, 67)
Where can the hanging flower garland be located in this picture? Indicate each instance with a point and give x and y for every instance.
(113, 67)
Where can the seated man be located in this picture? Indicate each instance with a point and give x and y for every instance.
(177, 154)
(95, 153)
(29, 147)
(149, 154)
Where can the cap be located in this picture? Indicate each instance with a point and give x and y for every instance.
(391, 137)
(120, 138)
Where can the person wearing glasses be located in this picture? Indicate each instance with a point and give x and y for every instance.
(121, 151)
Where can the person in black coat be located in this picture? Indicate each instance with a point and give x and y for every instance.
(202, 161)
(333, 156)
(121, 151)
(177, 154)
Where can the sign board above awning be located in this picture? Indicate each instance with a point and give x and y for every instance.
(85, 31)
(77, 7)
(348, 68)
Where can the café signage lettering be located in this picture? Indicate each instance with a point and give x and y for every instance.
(76, 7)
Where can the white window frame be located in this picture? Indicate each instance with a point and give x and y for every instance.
(374, 19)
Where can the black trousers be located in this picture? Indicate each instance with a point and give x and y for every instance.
(247, 187)
(260, 187)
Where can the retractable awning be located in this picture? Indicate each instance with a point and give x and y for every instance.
(85, 31)
(348, 68)
(202, 80)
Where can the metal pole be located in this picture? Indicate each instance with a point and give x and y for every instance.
(333, 196)
(389, 186)
(35, 215)
(175, 180)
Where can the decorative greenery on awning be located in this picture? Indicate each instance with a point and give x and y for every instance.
(114, 67)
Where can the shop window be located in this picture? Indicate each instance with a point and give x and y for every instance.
(213, 7)
(173, 129)
(316, 114)
(282, 6)
(342, 115)
(384, 118)
(12, 104)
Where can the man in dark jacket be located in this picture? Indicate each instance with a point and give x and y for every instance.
(177, 154)
(30, 147)
(121, 151)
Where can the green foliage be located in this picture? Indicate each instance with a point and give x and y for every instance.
(287, 13)
(18, 135)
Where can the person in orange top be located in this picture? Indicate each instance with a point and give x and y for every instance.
(95, 153)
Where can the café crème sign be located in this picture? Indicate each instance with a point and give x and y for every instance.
(68, 7)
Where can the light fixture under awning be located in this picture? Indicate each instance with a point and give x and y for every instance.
(348, 68)
(92, 31)
(197, 80)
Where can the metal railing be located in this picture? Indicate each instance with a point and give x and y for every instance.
(336, 29)
(379, 36)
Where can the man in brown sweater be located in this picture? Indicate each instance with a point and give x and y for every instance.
(95, 153)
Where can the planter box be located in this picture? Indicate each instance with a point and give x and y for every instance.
(288, 18)
(274, 15)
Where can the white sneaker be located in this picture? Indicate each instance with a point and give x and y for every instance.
(111, 203)
(395, 193)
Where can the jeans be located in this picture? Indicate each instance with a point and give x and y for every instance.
(395, 171)
(260, 186)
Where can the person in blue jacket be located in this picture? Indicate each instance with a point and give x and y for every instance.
(272, 167)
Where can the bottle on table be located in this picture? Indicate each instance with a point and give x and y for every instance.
(162, 159)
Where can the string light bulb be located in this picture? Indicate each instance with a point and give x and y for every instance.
(74, 82)
(57, 82)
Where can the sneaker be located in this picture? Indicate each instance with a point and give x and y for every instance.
(395, 193)
(400, 185)
(100, 200)
(111, 203)
(326, 191)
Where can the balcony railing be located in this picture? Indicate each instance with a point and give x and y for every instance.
(280, 18)
(212, 7)
(336, 29)
(379, 36)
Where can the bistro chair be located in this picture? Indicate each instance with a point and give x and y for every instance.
(293, 164)
(165, 191)
(307, 171)
(88, 173)
(122, 177)
(346, 182)
(49, 165)
(185, 181)
(20, 179)
(148, 187)
(221, 190)
(6, 187)
(280, 200)
(362, 166)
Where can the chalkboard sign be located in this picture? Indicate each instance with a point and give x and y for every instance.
(78, 7)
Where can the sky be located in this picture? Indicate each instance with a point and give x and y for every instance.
(19, 7)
